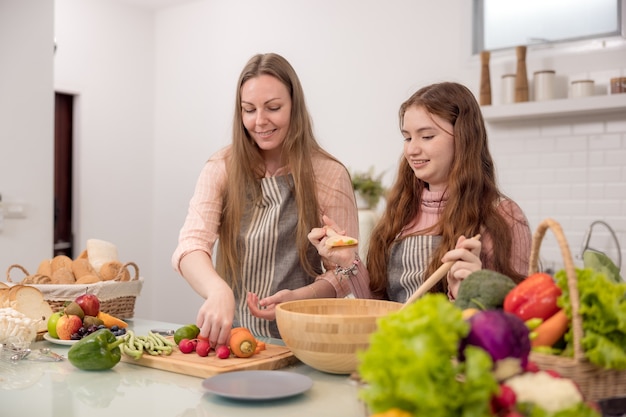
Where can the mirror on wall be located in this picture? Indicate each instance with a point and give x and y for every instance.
(503, 24)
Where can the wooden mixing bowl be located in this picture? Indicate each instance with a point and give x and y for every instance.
(327, 333)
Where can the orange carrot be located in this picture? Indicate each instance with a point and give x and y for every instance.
(242, 343)
(110, 321)
(551, 330)
(260, 345)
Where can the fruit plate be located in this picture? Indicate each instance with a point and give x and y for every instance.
(257, 385)
(56, 341)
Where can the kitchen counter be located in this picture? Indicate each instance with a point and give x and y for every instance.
(34, 388)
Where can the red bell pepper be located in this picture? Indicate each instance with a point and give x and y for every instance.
(535, 297)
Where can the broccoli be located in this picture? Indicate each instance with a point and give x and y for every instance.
(484, 290)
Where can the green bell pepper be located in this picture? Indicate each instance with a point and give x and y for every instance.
(98, 351)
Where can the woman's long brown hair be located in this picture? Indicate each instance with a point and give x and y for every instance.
(245, 168)
(472, 191)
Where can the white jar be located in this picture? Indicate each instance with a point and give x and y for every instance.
(581, 88)
(508, 88)
(543, 82)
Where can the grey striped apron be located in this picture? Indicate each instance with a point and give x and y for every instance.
(270, 261)
(408, 262)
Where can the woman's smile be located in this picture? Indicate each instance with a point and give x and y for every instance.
(266, 134)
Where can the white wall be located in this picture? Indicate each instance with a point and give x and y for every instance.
(156, 97)
(105, 56)
(570, 168)
(354, 68)
(26, 131)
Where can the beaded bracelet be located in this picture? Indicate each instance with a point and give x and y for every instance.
(351, 270)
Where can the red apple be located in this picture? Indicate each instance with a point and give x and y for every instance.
(89, 303)
(67, 325)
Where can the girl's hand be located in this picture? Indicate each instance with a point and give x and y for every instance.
(342, 256)
(466, 257)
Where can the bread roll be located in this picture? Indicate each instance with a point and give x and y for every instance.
(45, 267)
(63, 276)
(88, 279)
(59, 262)
(37, 279)
(81, 267)
(110, 271)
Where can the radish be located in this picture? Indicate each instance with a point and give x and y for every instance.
(187, 346)
(222, 352)
(505, 400)
(203, 347)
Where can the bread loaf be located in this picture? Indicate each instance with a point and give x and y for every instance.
(4, 296)
(99, 252)
(30, 302)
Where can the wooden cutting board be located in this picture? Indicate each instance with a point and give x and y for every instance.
(273, 357)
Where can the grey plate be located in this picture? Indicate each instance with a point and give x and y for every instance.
(257, 385)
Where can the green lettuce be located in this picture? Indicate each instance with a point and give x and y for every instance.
(411, 364)
(599, 262)
(603, 312)
(580, 410)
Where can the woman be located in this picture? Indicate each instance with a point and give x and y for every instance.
(260, 196)
(444, 193)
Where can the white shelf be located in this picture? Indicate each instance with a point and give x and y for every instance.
(568, 107)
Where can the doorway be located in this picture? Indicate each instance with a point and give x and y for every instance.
(63, 161)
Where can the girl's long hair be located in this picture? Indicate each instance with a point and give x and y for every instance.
(245, 168)
(472, 191)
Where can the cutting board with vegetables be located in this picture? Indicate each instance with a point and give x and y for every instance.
(273, 357)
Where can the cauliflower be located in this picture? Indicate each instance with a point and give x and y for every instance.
(550, 393)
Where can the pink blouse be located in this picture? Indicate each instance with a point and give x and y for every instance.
(335, 195)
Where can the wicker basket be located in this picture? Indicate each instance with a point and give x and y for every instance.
(116, 297)
(594, 382)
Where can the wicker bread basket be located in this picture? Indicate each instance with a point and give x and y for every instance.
(116, 297)
(594, 382)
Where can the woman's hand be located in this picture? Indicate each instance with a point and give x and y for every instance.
(466, 258)
(215, 317)
(342, 256)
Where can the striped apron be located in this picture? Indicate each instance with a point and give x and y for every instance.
(270, 260)
(408, 263)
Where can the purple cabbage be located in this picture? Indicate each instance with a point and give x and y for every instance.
(503, 335)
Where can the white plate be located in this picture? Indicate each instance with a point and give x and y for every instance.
(257, 385)
(58, 341)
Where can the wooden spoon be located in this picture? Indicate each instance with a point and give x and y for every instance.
(432, 280)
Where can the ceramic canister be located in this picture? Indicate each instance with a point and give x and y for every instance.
(543, 83)
(508, 88)
(581, 88)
